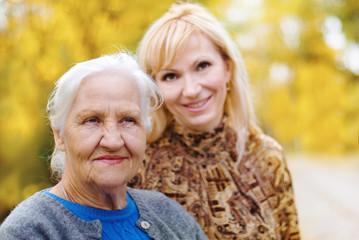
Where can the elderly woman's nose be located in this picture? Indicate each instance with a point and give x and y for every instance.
(112, 137)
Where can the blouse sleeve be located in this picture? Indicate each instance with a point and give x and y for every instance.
(275, 170)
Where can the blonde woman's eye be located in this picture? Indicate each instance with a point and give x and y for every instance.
(169, 77)
(203, 65)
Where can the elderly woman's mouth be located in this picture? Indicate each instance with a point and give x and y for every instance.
(110, 159)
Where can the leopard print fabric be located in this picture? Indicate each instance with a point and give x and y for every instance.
(250, 200)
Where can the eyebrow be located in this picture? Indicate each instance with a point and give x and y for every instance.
(122, 112)
(87, 113)
(198, 60)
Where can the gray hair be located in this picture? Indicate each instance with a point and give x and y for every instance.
(62, 97)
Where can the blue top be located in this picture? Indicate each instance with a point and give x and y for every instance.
(116, 224)
(43, 217)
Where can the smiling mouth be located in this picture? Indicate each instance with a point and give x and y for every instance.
(198, 104)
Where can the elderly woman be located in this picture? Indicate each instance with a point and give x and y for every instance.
(206, 151)
(98, 113)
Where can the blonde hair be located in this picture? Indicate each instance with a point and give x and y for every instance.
(166, 38)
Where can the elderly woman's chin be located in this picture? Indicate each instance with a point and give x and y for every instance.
(111, 176)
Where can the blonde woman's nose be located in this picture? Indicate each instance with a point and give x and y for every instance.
(191, 86)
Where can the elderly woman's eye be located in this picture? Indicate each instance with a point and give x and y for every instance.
(203, 65)
(169, 77)
(128, 120)
(91, 120)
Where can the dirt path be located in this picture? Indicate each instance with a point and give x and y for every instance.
(327, 195)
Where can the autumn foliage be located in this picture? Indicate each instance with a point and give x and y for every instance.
(306, 93)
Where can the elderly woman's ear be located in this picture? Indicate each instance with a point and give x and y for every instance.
(58, 139)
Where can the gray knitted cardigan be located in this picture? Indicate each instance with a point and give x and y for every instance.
(42, 217)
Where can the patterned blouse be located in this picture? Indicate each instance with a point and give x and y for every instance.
(250, 200)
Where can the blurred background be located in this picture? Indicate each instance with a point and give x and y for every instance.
(302, 57)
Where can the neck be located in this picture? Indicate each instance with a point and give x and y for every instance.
(91, 195)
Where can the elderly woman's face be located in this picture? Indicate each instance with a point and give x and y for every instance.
(104, 136)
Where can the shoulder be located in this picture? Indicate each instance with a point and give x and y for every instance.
(32, 207)
(263, 142)
(265, 153)
(263, 146)
(151, 198)
(158, 203)
(168, 217)
(41, 216)
(267, 158)
(29, 214)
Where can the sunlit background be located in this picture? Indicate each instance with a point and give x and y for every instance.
(302, 57)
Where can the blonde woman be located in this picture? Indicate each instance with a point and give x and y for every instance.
(205, 149)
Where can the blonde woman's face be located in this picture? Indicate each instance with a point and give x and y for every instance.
(194, 86)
